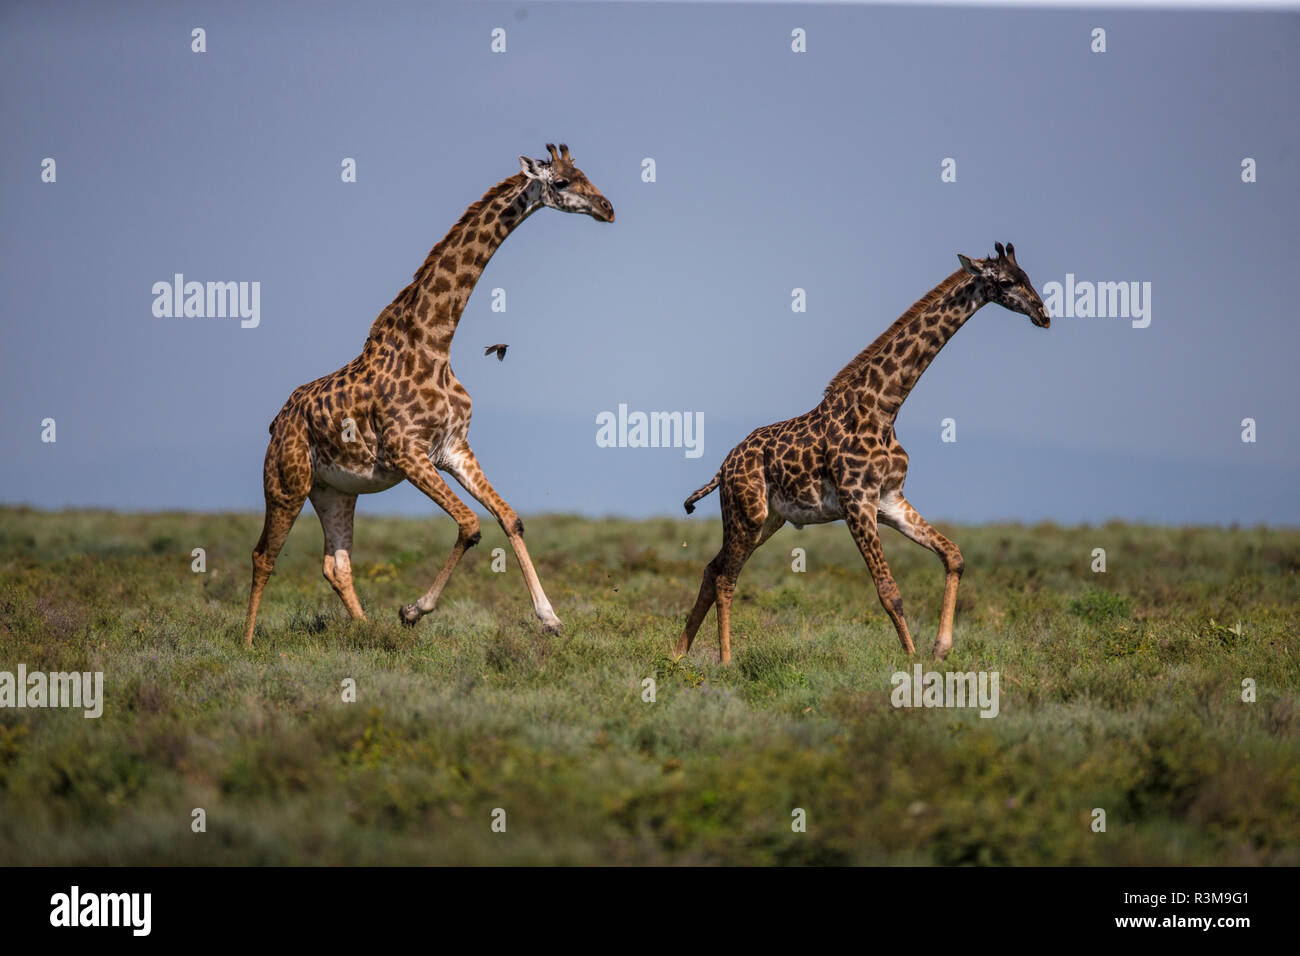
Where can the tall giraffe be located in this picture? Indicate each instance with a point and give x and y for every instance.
(841, 460)
(397, 412)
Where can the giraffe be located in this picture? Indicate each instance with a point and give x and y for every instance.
(397, 411)
(842, 460)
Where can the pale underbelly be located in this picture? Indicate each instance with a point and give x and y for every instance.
(810, 509)
(363, 481)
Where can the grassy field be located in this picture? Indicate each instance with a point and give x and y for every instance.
(1120, 691)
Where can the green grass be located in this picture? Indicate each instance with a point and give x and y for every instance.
(1119, 690)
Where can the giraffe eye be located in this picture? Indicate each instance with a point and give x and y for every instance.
(1006, 283)
(560, 183)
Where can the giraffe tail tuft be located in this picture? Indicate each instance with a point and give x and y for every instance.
(689, 504)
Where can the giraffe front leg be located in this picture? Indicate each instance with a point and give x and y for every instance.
(421, 473)
(898, 513)
(860, 516)
(464, 467)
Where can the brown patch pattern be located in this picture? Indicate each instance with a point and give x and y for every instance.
(397, 412)
(842, 460)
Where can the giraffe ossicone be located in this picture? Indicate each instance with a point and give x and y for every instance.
(397, 412)
(842, 461)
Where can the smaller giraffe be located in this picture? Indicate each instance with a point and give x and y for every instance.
(841, 460)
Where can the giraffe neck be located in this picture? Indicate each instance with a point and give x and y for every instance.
(884, 373)
(428, 310)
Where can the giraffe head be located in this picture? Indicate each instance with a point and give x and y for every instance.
(1004, 282)
(564, 186)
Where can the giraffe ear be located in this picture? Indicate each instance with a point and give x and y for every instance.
(530, 167)
(968, 265)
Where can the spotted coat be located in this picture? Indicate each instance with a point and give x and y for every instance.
(397, 412)
(842, 460)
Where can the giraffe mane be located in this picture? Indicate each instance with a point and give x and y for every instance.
(431, 260)
(851, 373)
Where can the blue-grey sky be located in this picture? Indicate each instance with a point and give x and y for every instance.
(774, 170)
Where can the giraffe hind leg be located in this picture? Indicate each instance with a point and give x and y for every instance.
(286, 479)
(736, 549)
(748, 536)
(336, 510)
(746, 524)
(280, 517)
(704, 600)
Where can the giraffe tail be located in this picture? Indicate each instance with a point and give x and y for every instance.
(689, 504)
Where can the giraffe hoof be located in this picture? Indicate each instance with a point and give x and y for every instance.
(553, 626)
(409, 614)
(941, 650)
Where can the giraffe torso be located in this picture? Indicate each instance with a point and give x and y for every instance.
(355, 416)
(806, 469)
(800, 468)
(399, 398)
